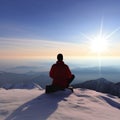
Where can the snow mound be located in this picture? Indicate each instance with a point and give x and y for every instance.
(34, 104)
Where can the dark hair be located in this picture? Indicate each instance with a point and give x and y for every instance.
(60, 57)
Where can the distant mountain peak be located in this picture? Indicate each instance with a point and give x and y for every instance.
(102, 80)
(101, 85)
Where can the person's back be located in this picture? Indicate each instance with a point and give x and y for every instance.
(60, 73)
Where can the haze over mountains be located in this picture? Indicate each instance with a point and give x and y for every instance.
(82, 73)
(32, 80)
(26, 74)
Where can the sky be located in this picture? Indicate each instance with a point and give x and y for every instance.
(42, 28)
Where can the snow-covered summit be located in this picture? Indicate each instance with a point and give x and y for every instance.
(34, 104)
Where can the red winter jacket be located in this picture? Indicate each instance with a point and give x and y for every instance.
(60, 73)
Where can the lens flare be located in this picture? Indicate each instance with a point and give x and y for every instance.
(99, 44)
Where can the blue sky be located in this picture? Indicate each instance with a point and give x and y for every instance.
(26, 23)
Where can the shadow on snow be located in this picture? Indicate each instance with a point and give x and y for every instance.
(39, 108)
(112, 102)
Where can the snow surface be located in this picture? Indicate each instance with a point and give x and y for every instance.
(34, 104)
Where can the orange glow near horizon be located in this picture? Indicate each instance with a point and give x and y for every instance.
(36, 49)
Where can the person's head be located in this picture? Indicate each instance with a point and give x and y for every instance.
(60, 57)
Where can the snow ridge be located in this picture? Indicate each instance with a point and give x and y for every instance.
(34, 104)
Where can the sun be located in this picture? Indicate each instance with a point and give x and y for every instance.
(99, 44)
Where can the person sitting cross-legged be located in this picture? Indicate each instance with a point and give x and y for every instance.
(61, 75)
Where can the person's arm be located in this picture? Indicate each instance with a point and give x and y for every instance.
(68, 72)
(51, 73)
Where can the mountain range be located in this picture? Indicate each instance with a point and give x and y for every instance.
(101, 85)
(32, 80)
(27, 80)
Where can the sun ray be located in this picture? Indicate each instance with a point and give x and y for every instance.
(112, 33)
(101, 27)
(99, 43)
(87, 37)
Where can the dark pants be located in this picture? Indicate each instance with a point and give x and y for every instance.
(52, 88)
